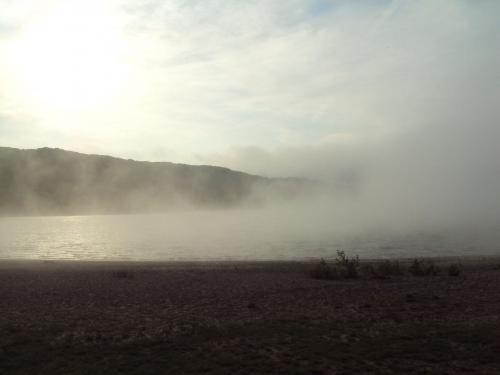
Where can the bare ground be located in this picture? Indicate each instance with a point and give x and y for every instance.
(244, 318)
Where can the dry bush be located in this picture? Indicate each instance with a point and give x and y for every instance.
(344, 267)
(324, 271)
(348, 266)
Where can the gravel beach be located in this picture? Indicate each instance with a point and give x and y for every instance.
(247, 318)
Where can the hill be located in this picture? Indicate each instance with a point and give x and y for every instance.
(55, 181)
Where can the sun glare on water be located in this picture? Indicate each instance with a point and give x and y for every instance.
(71, 58)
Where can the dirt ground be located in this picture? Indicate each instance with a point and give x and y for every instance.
(244, 318)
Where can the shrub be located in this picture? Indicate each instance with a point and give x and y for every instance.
(421, 267)
(323, 271)
(345, 267)
(454, 269)
(348, 265)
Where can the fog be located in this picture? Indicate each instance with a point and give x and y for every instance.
(434, 164)
(442, 175)
(401, 196)
(377, 119)
(439, 175)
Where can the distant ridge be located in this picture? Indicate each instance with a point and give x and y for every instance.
(55, 181)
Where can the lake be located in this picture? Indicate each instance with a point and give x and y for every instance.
(220, 235)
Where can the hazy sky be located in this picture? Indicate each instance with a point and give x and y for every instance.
(272, 87)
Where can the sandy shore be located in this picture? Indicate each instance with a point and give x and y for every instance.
(248, 318)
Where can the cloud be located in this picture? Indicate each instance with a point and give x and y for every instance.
(263, 75)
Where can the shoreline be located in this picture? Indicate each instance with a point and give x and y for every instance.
(466, 260)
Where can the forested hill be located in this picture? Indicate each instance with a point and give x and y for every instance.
(55, 181)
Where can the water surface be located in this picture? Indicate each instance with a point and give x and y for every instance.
(216, 236)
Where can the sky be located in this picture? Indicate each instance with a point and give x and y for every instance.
(322, 89)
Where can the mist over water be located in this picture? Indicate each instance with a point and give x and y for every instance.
(404, 196)
(392, 108)
(279, 233)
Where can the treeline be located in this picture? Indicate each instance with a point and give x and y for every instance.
(54, 181)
